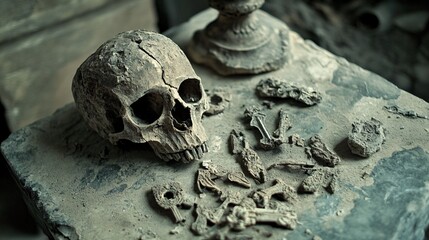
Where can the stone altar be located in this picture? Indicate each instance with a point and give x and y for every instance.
(81, 187)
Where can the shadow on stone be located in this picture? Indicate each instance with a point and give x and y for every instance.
(427, 233)
(14, 215)
(343, 150)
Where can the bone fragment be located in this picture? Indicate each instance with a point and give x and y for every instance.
(320, 152)
(214, 169)
(320, 177)
(280, 188)
(253, 165)
(249, 159)
(205, 181)
(296, 140)
(366, 137)
(284, 125)
(280, 89)
(242, 217)
(228, 198)
(239, 178)
(236, 142)
(200, 225)
(404, 112)
(257, 120)
(218, 171)
(291, 164)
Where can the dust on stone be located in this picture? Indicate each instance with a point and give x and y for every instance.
(219, 100)
(404, 112)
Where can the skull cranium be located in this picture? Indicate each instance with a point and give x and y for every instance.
(140, 87)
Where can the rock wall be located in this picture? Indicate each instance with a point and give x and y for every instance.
(43, 42)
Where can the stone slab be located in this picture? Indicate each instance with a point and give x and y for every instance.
(81, 187)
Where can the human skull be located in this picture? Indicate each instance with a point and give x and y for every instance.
(140, 87)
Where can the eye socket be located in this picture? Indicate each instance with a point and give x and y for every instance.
(148, 108)
(190, 91)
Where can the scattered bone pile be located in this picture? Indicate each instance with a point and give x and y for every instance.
(251, 205)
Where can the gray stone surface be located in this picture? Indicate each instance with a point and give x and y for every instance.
(37, 68)
(80, 186)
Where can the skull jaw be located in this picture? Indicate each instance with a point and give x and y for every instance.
(188, 145)
(186, 155)
(168, 143)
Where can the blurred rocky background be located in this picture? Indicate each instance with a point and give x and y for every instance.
(388, 37)
(42, 42)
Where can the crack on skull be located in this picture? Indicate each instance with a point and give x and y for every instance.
(162, 67)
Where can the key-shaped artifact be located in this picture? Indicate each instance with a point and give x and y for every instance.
(170, 196)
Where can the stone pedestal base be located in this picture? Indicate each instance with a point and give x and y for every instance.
(233, 54)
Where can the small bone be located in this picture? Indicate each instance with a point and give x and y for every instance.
(280, 89)
(280, 188)
(286, 219)
(320, 152)
(289, 164)
(204, 180)
(248, 203)
(284, 125)
(404, 112)
(257, 120)
(199, 226)
(239, 178)
(248, 157)
(236, 142)
(313, 182)
(296, 140)
(252, 163)
(169, 196)
(228, 198)
(366, 137)
(214, 169)
(218, 171)
(242, 217)
(320, 177)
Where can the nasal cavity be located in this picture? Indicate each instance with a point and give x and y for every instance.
(181, 116)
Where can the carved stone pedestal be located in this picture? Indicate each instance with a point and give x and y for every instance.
(242, 40)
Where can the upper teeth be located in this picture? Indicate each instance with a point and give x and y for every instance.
(187, 155)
